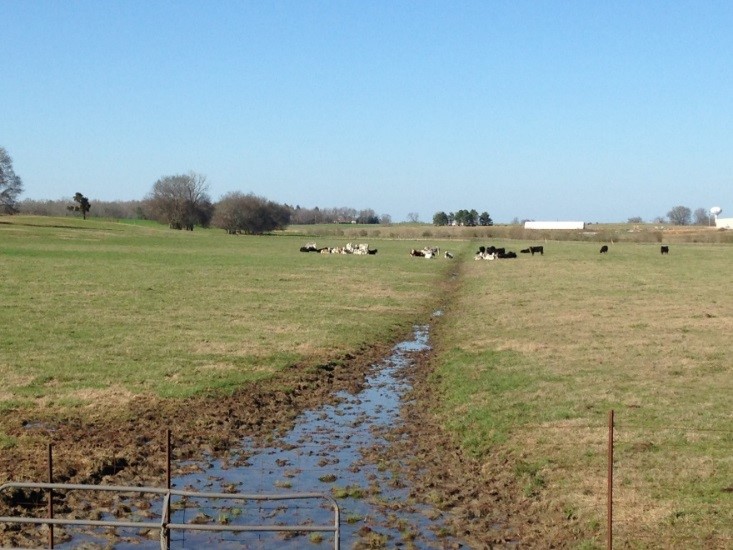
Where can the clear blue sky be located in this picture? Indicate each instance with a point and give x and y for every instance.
(569, 110)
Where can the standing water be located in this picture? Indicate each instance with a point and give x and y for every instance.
(324, 453)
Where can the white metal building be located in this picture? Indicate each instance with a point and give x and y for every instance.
(554, 225)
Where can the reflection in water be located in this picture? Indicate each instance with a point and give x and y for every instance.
(323, 453)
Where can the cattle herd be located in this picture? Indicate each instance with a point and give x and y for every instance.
(349, 248)
(483, 252)
(494, 253)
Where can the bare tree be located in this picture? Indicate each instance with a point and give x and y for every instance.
(702, 216)
(10, 184)
(249, 214)
(181, 201)
(680, 215)
(413, 217)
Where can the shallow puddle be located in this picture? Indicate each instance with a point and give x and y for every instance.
(324, 453)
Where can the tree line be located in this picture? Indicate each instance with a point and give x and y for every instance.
(682, 215)
(182, 201)
(468, 218)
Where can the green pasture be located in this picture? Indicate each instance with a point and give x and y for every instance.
(530, 354)
(534, 353)
(89, 306)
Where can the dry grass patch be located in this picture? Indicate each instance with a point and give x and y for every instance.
(535, 351)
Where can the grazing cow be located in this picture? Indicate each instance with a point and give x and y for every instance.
(665, 249)
(540, 249)
(604, 249)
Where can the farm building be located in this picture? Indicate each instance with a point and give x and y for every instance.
(724, 223)
(554, 225)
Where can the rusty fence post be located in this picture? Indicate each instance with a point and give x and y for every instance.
(168, 460)
(50, 495)
(609, 527)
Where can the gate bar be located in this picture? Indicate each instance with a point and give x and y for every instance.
(163, 525)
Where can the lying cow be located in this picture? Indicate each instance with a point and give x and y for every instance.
(533, 249)
(426, 252)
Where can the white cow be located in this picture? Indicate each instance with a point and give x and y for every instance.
(485, 256)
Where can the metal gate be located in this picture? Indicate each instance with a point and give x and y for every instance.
(164, 525)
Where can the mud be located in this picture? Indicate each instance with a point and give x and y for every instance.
(436, 497)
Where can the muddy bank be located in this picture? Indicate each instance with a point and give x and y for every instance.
(486, 505)
(126, 446)
(479, 500)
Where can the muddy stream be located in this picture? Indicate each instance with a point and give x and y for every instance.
(333, 450)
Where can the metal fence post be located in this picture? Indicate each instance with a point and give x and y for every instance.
(50, 495)
(166, 531)
(609, 527)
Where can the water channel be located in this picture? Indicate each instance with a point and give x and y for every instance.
(324, 453)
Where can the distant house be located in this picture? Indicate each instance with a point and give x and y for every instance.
(724, 223)
(554, 225)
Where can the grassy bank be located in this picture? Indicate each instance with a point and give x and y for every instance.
(533, 353)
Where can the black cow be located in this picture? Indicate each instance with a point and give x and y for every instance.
(604, 249)
(539, 249)
(665, 249)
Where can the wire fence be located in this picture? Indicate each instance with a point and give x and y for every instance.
(655, 487)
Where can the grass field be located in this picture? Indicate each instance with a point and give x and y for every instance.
(530, 354)
(102, 311)
(534, 353)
